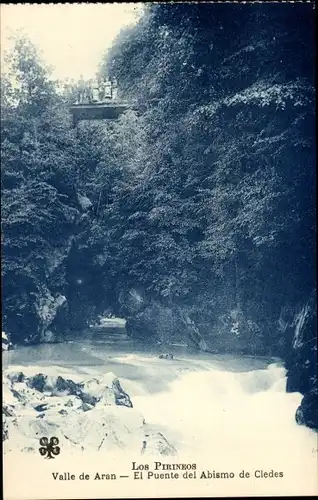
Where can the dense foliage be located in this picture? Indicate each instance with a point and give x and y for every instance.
(200, 199)
(41, 168)
(220, 212)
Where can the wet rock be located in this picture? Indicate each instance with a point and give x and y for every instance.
(93, 387)
(8, 414)
(48, 308)
(41, 408)
(31, 410)
(7, 410)
(67, 386)
(108, 391)
(88, 399)
(107, 397)
(121, 397)
(58, 386)
(16, 377)
(25, 395)
(69, 403)
(301, 357)
(306, 413)
(301, 362)
(6, 343)
(86, 407)
(17, 395)
(5, 433)
(48, 337)
(37, 382)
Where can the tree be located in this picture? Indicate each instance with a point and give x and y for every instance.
(220, 176)
(39, 206)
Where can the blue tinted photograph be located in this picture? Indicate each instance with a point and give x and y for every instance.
(158, 249)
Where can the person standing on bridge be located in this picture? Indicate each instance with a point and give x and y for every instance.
(81, 90)
(101, 89)
(73, 91)
(89, 90)
(108, 89)
(95, 91)
(114, 88)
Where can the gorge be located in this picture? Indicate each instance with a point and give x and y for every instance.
(191, 216)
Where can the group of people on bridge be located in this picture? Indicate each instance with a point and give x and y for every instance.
(91, 91)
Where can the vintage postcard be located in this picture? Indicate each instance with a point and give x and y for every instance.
(158, 250)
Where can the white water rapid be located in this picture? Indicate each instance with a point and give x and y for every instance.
(220, 410)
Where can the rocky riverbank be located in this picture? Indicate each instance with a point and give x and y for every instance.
(301, 363)
(95, 414)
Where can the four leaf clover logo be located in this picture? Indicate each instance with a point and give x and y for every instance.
(49, 448)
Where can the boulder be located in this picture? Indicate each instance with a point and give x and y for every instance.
(301, 361)
(40, 405)
(121, 397)
(108, 390)
(5, 433)
(37, 382)
(50, 309)
(301, 357)
(306, 413)
(7, 410)
(26, 394)
(83, 407)
(6, 343)
(41, 408)
(8, 414)
(15, 377)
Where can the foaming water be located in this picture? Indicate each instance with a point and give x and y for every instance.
(221, 412)
(237, 411)
(199, 401)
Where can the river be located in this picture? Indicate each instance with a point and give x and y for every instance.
(198, 400)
